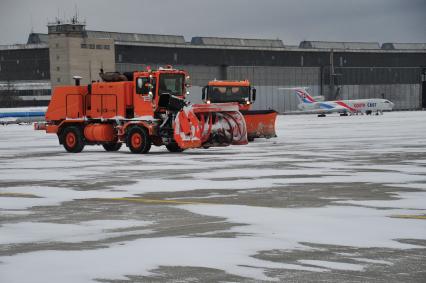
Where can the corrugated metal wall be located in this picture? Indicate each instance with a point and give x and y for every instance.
(271, 81)
(404, 90)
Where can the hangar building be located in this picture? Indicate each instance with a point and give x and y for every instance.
(345, 70)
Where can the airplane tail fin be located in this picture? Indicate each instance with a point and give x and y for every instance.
(304, 96)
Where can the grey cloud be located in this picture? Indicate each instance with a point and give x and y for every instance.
(291, 21)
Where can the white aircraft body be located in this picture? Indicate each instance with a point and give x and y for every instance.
(344, 107)
(22, 115)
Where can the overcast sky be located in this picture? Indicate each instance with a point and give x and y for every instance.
(291, 21)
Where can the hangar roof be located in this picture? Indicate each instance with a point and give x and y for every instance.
(339, 45)
(242, 42)
(404, 46)
(37, 38)
(138, 37)
(40, 39)
(118, 36)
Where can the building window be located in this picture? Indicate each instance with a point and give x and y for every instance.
(120, 58)
(57, 68)
(107, 47)
(83, 45)
(99, 46)
(58, 80)
(91, 46)
(57, 57)
(57, 45)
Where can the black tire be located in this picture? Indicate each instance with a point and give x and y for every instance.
(138, 140)
(173, 147)
(72, 139)
(113, 146)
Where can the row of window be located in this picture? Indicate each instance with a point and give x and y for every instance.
(27, 92)
(95, 46)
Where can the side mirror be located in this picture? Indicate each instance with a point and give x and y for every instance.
(203, 97)
(253, 96)
(188, 81)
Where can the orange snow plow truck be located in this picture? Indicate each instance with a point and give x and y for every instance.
(140, 109)
(260, 123)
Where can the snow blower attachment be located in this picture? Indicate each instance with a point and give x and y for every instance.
(140, 109)
(259, 123)
(209, 125)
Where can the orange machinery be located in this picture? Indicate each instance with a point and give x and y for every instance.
(260, 123)
(140, 109)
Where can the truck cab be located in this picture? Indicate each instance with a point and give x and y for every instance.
(259, 123)
(230, 91)
(158, 91)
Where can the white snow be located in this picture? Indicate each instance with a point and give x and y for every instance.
(368, 260)
(28, 232)
(333, 264)
(337, 150)
(333, 225)
(411, 200)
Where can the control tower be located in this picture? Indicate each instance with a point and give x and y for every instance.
(72, 53)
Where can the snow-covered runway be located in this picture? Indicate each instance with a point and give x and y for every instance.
(335, 199)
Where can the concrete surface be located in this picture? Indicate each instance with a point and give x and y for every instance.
(335, 199)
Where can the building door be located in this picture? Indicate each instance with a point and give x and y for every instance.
(424, 88)
(424, 94)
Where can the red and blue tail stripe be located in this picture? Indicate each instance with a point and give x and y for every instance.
(304, 96)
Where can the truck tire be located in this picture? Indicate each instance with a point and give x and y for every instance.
(72, 139)
(174, 147)
(138, 140)
(112, 146)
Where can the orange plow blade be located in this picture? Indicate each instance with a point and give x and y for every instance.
(260, 123)
(208, 125)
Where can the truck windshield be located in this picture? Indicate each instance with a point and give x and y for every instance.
(229, 94)
(171, 84)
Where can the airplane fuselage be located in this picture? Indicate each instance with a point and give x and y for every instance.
(349, 106)
(22, 115)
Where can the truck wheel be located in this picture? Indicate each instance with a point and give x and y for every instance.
(138, 140)
(173, 147)
(72, 139)
(113, 146)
